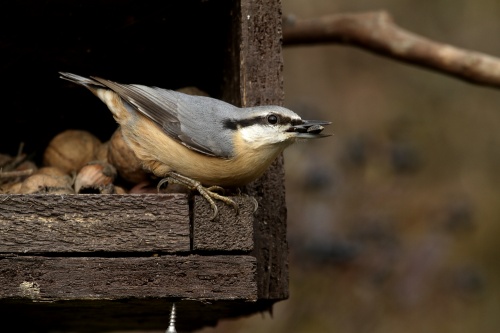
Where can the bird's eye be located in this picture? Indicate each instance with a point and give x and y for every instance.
(272, 119)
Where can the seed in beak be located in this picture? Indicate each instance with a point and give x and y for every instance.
(315, 129)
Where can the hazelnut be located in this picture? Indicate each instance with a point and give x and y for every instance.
(120, 190)
(51, 171)
(95, 177)
(71, 149)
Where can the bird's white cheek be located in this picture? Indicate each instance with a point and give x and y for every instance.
(251, 134)
(259, 136)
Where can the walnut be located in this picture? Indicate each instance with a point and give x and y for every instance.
(43, 183)
(127, 164)
(71, 150)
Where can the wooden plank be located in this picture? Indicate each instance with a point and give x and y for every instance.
(85, 278)
(229, 231)
(44, 223)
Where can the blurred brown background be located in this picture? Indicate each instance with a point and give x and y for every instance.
(394, 220)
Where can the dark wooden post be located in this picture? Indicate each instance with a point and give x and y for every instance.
(257, 65)
(261, 83)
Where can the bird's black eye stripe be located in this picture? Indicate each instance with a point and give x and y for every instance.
(273, 119)
(231, 124)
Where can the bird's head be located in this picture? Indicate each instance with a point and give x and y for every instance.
(267, 126)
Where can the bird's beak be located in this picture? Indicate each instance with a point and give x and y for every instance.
(310, 129)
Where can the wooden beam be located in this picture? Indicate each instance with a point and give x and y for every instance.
(46, 223)
(84, 278)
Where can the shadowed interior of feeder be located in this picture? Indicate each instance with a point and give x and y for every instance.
(159, 43)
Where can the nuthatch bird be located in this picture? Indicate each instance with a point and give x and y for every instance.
(200, 142)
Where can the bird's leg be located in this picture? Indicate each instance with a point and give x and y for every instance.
(207, 192)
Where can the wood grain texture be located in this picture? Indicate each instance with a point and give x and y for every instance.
(94, 222)
(214, 278)
(254, 76)
(229, 231)
(261, 83)
(261, 59)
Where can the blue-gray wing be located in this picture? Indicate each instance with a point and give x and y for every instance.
(194, 121)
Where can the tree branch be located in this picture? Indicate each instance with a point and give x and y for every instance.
(377, 32)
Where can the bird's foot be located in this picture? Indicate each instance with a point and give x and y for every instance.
(209, 193)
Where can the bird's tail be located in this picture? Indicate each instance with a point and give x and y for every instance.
(86, 82)
(116, 105)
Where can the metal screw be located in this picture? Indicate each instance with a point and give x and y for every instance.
(171, 326)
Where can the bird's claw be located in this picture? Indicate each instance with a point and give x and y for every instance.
(209, 195)
(255, 204)
(206, 192)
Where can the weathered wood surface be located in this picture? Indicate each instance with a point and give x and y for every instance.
(94, 222)
(84, 278)
(261, 83)
(229, 231)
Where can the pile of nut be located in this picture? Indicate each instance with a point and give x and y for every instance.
(75, 161)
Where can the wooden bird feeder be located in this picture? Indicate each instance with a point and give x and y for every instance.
(96, 262)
